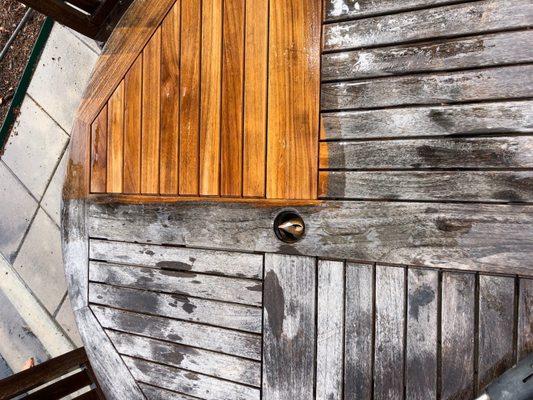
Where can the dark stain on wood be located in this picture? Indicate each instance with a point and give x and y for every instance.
(276, 306)
(448, 225)
(174, 266)
(423, 296)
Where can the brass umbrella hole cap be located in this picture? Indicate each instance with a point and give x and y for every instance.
(289, 227)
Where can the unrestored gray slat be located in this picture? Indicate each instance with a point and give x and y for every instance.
(289, 335)
(460, 19)
(525, 318)
(190, 383)
(496, 324)
(477, 153)
(461, 119)
(475, 237)
(499, 83)
(330, 330)
(226, 341)
(202, 361)
(211, 287)
(227, 315)
(154, 393)
(389, 350)
(343, 9)
(462, 53)
(179, 259)
(458, 308)
(515, 186)
(359, 322)
(421, 352)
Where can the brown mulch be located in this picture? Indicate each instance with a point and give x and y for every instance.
(13, 64)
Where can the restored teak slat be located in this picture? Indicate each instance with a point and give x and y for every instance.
(170, 75)
(293, 106)
(132, 127)
(191, 50)
(99, 153)
(115, 140)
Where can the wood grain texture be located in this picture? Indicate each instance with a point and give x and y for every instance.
(189, 142)
(330, 331)
(525, 318)
(133, 127)
(170, 75)
(496, 324)
(155, 393)
(460, 19)
(293, 101)
(151, 115)
(463, 119)
(421, 345)
(179, 259)
(187, 358)
(231, 137)
(225, 315)
(458, 331)
(344, 9)
(358, 337)
(289, 333)
(448, 54)
(226, 341)
(426, 89)
(211, 287)
(389, 349)
(99, 153)
(475, 237)
(115, 141)
(190, 383)
(476, 153)
(255, 99)
(512, 186)
(211, 100)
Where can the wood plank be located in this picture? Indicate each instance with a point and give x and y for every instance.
(235, 369)
(440, 88)
(463, 119)
(226, 315)
(99, 152)
(458, 331)
(453, 20)
(225, 341)
(231, 137)
(359, 326)
(344, 9)
(170, 76)
(211, 101)
(179, 259)
(474, 237)
(293, 101)
(476, 153)
(151, 113)
(189, 142)
(525, 318)
(330, 330)
(449, 54)
(133, 127)
(514, 186)
(255, 99)
(496, 327)
(421, 351)
(242, 291)
(115, 140)
(389, 349)
(289, 328)
(196, 385)
(155, 393)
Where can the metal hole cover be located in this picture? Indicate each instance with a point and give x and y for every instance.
(289, 227)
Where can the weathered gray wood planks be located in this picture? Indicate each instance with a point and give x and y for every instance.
(525, 318)
(289, 328)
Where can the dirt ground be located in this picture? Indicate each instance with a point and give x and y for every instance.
(13, 64)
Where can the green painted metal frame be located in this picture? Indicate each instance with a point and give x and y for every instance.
(25, 80)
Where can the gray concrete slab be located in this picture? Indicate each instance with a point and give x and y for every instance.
(65, 317)
(51, 202)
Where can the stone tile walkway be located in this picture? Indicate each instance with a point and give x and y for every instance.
(35, 315)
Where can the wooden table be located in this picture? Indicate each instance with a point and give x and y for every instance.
(400, 132)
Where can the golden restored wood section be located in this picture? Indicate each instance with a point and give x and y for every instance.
(221, 101)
